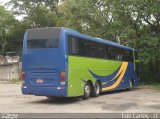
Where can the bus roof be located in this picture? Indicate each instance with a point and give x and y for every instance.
(95, 38)
(76, 33)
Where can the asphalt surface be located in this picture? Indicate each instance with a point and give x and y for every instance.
(134, 101)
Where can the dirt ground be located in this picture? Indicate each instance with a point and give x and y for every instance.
(135, 101)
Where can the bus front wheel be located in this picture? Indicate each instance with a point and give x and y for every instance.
(87, 91)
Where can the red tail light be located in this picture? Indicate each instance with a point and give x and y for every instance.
(62, 77)
(23, 76)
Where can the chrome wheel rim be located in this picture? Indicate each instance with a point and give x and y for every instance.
(97, 89)
(87, 90)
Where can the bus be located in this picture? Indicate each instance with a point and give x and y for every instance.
(60, 62)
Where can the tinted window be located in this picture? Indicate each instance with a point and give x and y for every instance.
(42, 43)
(43, 38)
(73, 42)
(88, 48)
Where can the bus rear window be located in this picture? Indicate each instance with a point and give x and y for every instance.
(42, 43)
(43, 38)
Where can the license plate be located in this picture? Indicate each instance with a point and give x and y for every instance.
(39, 80)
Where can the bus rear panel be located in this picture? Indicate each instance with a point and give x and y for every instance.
(43, 63)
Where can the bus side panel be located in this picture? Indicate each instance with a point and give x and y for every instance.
(122, 78)
(114, 75)
(80, 68)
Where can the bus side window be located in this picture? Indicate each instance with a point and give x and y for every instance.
(119, 54)
(72, 45)
(81, 47)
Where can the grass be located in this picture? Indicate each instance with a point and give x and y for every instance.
(15, 81)
(150, 86)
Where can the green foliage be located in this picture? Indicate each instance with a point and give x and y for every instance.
(6, 24)
(15, 81)
(150, 85)
(136, 23)
(38, 13)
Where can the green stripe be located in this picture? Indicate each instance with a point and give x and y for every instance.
(78, 70)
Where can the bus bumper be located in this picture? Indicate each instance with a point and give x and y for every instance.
(45, 91)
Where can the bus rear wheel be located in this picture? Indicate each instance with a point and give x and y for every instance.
(87, 91)
(96, 89)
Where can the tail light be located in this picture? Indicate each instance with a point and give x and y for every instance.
(62, 77)
(23, 76)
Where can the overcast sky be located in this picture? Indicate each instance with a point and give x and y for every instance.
(2, 2)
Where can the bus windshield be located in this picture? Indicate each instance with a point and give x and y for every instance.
(43, 38)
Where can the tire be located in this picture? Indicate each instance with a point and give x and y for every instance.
(131, 85)
(87, 91)
(96, 89)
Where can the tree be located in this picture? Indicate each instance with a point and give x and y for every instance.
(6, 24)
(134, 23)
(40, 13)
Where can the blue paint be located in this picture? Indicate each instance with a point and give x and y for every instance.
(129, 74)
(47, 65)
(104, 78)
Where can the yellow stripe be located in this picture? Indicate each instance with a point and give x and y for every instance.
(124, 68)
(120, 70)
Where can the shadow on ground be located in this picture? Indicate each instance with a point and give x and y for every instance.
(70, 100)
(60, 100)
(118, 91)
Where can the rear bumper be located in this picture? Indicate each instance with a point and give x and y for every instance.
(44, 91)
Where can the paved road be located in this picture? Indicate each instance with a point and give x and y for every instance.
(135, 101)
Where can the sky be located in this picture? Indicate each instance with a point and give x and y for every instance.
(2, 2)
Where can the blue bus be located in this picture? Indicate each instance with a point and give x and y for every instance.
(61, 62)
